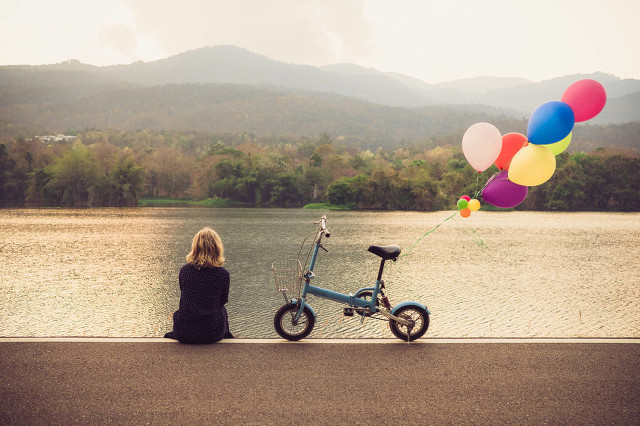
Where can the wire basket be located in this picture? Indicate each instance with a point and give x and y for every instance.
(288, 276)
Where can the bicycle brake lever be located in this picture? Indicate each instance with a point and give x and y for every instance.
(322, 247)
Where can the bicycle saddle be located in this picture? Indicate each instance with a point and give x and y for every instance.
(385, 252)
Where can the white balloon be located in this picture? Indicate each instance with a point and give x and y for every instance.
(481, 145)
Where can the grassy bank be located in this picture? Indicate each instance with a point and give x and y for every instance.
(328, 206)
(223, 202)
(172, 202)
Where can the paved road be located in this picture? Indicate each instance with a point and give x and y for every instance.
(319, 383)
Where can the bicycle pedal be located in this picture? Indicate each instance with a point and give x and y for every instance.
(348, 312)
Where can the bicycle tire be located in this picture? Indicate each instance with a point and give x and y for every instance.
(415, 313)
(283, 322)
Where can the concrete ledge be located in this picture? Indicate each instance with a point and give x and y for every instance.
(319, 381)
(423, 341)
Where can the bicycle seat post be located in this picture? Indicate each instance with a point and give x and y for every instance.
(380, 270)
(385, 253)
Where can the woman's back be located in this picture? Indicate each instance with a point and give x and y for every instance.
(204, 289)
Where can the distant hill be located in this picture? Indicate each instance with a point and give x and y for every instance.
(231, 108)
(229, 64)
(228, 89)
(265, 112)
(484, 84)
(619, 110)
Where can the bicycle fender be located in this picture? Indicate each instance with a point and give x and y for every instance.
(296, 302)
(409, 303)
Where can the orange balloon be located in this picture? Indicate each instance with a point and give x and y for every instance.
(465, 212)
(511, 143)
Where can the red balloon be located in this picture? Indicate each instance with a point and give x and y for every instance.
(466, 197)
(511, 143)
(586, 98)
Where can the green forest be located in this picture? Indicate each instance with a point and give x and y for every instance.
(119, 168)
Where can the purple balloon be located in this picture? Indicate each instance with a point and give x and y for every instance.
(501, 192)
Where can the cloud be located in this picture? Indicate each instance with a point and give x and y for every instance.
(312, 32)
(120, 37)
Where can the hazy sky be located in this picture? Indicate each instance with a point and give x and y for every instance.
(434, 40)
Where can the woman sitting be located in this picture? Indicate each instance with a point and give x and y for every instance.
(204, 290)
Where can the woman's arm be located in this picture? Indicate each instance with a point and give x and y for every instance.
(225, 283)
(181, 277)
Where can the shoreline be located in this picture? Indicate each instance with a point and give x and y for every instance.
(191, 204)
(348, 341)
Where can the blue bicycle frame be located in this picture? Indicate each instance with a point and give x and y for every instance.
(348, 299)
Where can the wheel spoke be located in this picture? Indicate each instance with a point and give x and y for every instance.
(419, 322)
(416, 322)
(285, 325)
(288, 325)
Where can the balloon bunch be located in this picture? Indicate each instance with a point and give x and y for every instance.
(525, 161)
(466, 205)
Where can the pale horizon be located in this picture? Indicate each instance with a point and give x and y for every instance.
(428, 40)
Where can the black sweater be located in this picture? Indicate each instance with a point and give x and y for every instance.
(201, 316)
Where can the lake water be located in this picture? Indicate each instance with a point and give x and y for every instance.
(113, 272)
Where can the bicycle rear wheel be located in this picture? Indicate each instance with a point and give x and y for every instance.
(287, 328)
(419, 319)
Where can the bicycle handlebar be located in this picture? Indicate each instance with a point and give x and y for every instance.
(323, 226)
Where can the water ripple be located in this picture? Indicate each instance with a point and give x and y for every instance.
(113, 272)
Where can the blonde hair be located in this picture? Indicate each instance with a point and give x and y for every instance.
(207, 250)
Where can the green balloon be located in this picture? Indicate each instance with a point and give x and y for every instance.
(559, 147)
(462, 204)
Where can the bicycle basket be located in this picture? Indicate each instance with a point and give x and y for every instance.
(287, 275)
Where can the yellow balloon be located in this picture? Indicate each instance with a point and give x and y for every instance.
(558, 147)
(533, 165)
(474, 205)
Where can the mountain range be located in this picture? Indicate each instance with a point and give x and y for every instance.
(241, 83)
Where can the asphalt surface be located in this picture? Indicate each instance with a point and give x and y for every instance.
(319, 383)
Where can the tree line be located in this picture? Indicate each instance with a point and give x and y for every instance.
(116, 168)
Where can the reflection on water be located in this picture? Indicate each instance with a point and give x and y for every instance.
(113, 272)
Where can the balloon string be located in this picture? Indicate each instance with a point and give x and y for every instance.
(490, 180)
(466, 228)
(474, 236)
(427, 233)
(477, 183)
(469, 230)
(477, 194)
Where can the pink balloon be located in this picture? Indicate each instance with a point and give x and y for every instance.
(481, 145)
(586, 98)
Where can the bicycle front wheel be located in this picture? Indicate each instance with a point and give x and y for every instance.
(286, 326)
